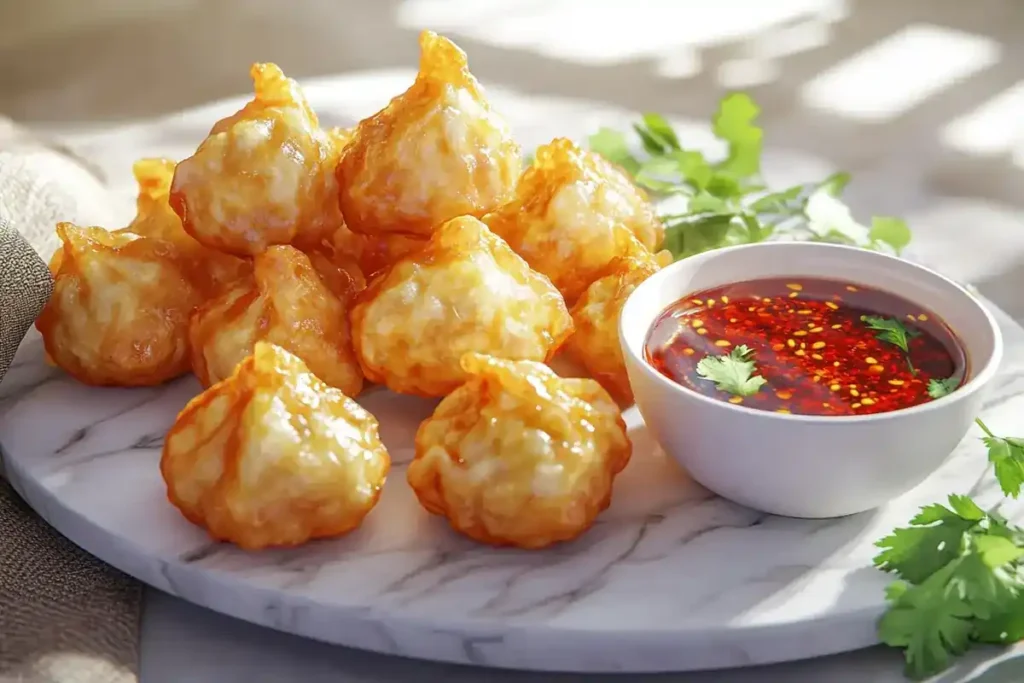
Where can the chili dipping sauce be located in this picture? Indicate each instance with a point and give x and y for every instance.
(823, 347)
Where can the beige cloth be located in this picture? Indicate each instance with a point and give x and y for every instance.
(65, 617)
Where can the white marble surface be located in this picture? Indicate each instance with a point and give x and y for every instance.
(670, 579)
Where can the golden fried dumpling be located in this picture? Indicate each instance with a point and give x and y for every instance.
(518, 455)
(595, 342)
(375, 253)
(573, 213)
(120, 307)
(210, 270)
(287, 303)
(263, 175)
(272, 456)
(437, 151)
(465, 291)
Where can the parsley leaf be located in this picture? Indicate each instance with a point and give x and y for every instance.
(1007, 457)
(891, 331)
(934, 538)
(733, 373)
(937, 388)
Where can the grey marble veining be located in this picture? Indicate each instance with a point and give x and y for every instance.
(671, 578)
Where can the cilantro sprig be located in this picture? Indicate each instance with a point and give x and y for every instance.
(891, 331)
(960, 573)
(733, 372)
(727, 201)
(937, 388)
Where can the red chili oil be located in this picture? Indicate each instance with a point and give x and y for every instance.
(811, 343)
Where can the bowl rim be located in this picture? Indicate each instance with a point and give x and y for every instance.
(974, 383)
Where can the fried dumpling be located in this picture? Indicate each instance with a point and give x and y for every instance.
(518, 455)
(465, 291)
(375, 253)
(263, 175)
(595, 342)
(272, 456)
(437, 151)
(120, 307)
(287, 303)
(210, 270)
(574, 213)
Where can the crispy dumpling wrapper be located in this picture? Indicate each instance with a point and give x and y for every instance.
(272, 456)
(519, 456)
(595, 341)
(573, 214)
(437, 151)
(211, 271)
(465, 291)
(263, 176)
(285, 302)
(120, 307)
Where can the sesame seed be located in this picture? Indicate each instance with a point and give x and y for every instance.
(783, 411)
(702, 330)
(800, 333)
(834, 307)
(784, 395)
(836, 327)
(795, 287)
(790, 343)
(801, 352)
(817, 356)
(896, 382)
(851, 288)
(725, 299)
(736, 399)
(793, 295)
(922, 317)
(816, 330)
(698, 322)
(868, 401)
(818, 345)
(723, 342)
(870, 361)
(778, 347)
(835, 387)
(688, 352)
(854, 393)
(855, 406)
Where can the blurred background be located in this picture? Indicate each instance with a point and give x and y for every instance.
(922, 100)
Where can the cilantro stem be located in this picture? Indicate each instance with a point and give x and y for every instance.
(984, 428)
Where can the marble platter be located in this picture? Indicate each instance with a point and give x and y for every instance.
(670, 579)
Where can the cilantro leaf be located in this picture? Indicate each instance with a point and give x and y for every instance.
(1005, 627)
(733, 373)
(937, 388)
(735, 123)
(1007, 457)
(935, 537)
(891, 231)
(891, 331)
(930, 621)
(611, 144)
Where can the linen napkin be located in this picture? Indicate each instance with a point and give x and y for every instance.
(65, 617)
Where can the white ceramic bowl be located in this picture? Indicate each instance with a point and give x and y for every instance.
(798, 465)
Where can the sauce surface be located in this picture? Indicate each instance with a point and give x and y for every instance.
(822, 347)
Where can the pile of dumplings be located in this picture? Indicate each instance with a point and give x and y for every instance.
(289, 267)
